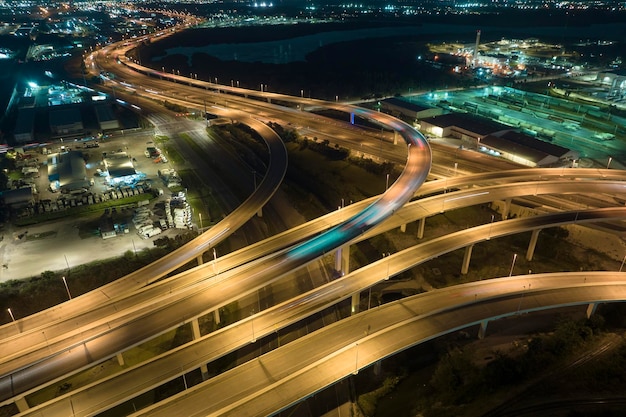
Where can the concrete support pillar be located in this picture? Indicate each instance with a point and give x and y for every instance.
(531, 245)
(378, 367)
(356, 300)
(342, 259)
(420, 227)
(120, 359)
(204, 370)
(269, 100)
(591, 308)
(345, 259)
(195, 329)
(395, 137)
(483, 329)
(216, 316)
(21, 404)
(466, 259)
(403, 227)
(260, 212)
(507, 208)
(199, 259)
(338, 259)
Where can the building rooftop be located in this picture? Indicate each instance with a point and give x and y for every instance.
(468, 122)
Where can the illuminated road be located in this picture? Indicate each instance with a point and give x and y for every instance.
(224, 341)
(81, 338)
(284, 261)
(88, 325)
(284, 376)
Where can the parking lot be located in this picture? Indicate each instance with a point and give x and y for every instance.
(59, 245)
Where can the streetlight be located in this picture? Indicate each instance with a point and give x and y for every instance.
(214, 261)
(302, 93)
(622, 265)
(513, 264)
(387, 183)
(200, 214)
(67, 288)
(387, 254)
(11, 314)
(609, 163)
(490, 226)
(252, 325)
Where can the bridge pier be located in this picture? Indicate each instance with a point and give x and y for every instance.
(395, 137)
(506, 209)
(199, 259)
(216, 316)
(21, 404)
(356, 300)
(420, 227)
(483, 329)
(342, 259)
(591, 309)
(120, 359)
(466, 259)
(531, 246)
(378, 367)
(403, 227)
(195, 329)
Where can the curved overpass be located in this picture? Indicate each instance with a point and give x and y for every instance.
(27, 363)
(87, 346)
(276, 170)
(155, 372)
(283, 377)
(363, 221)
(21, 360)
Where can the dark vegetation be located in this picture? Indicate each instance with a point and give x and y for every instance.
(375, 67)
(450, 377)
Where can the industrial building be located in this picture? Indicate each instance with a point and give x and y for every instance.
(496, 139)
(66, 122)
(120, 168)
(399, 107)
(106, 118)
(616, 81)
(67, 171)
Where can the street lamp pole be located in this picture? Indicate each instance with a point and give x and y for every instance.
(609, 163)
(67, 288)
(200, 214)
(387, 254)
(622, 265)
(252, 325)
(513, 264)
(11, 314)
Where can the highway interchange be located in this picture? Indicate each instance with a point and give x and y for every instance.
(125, 308)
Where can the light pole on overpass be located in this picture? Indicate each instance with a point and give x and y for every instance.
(67, 288)
(513, 264)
